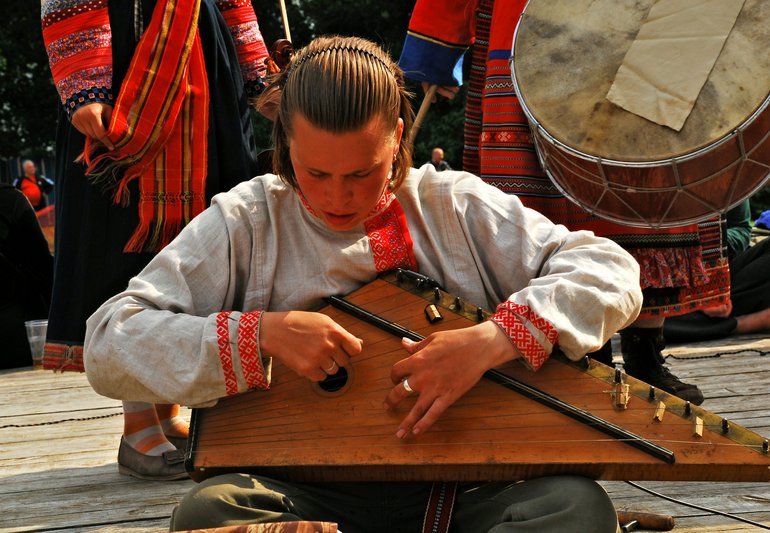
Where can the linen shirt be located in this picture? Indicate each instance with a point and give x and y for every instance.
(186, 329)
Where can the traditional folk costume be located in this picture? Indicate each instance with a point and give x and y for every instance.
(682, 269)
(180, 125)
(198, 303)
(26, 275)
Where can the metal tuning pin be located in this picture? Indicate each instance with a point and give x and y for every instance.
(687, 409)
(725, 426)
(479, 314)
(765, 446)
(437, 294)
(652, 393)
(432, 313)
(458, 303)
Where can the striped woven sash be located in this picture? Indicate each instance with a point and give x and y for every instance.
(159, 128)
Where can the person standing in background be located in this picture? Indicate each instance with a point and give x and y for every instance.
(139, 153)
(35, 187)
(26, 275)
(437, 160)
(682, 269)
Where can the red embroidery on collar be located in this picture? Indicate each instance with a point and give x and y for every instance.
(389, 236)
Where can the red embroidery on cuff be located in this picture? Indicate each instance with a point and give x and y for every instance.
(225, 352)
(248, 348)
(509, 316)
(390, 240)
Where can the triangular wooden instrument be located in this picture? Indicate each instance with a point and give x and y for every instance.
(299, 431)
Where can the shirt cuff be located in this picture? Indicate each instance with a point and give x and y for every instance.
(439, 63)
(82, 98)
(249, 363)
(531, 334)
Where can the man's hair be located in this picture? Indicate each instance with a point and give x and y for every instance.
(339, 84)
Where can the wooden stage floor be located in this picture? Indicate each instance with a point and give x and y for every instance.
(59, 441)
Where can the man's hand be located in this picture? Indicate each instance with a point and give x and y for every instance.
(447, 91)
(92, 120)
(443, 367)
(311, 344)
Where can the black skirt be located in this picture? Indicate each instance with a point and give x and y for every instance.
(91, 230)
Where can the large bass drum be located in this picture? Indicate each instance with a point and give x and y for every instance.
(620, 166)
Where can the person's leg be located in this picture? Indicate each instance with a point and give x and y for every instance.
(237, 499)
(175, 428)
(641, 345)
(563, 504)
(144, 451)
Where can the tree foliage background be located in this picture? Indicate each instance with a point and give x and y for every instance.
(29, 104)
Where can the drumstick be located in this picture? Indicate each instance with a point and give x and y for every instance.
(656, 522)
(426, 101)
(285, 20)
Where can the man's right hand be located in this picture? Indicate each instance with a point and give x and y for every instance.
(311, 344)
(91, 120)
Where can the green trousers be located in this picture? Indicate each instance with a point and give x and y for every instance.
(562, 504)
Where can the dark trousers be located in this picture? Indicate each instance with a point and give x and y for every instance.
(563, 504)
(749, 292)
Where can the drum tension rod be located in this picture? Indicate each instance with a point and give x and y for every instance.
(524, 389)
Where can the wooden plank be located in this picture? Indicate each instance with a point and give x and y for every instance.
(64, 476)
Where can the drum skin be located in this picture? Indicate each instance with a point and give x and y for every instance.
(623, 167)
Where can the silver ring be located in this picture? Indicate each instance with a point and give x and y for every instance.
(407, 388)
(331, 368)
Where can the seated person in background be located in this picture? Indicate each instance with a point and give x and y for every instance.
(748, 309)
(241, 283)
(26, 275)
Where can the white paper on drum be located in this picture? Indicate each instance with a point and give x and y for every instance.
(671, 58)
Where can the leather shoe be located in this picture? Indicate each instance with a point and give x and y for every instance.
(179, 442)
(166, 467)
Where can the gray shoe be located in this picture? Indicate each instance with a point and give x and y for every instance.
(179, 442)
(166, 467)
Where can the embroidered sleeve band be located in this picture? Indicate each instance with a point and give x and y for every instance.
(249, 43)
(516, 321)
(78, 41)
(245, 326)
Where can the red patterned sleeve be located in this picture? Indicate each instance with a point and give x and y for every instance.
(252, 52)
(78, 40)
(533, 335)
(246, 371)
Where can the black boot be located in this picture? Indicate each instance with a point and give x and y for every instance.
(641, 351)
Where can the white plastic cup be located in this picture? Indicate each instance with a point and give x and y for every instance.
(36, 330)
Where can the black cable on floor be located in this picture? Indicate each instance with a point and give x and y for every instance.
(700, 508)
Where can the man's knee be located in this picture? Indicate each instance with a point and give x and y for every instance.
(227, 500)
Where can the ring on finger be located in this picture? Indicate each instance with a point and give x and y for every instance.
(407, 388)
(331, 368)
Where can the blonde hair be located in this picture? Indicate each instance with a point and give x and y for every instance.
(340, 84)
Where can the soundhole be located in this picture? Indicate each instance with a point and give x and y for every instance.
(335, 383)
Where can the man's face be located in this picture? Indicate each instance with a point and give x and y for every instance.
(29, 168)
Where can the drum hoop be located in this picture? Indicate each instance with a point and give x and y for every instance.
(540, 129)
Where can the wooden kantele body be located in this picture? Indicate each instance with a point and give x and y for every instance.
(297, 431)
